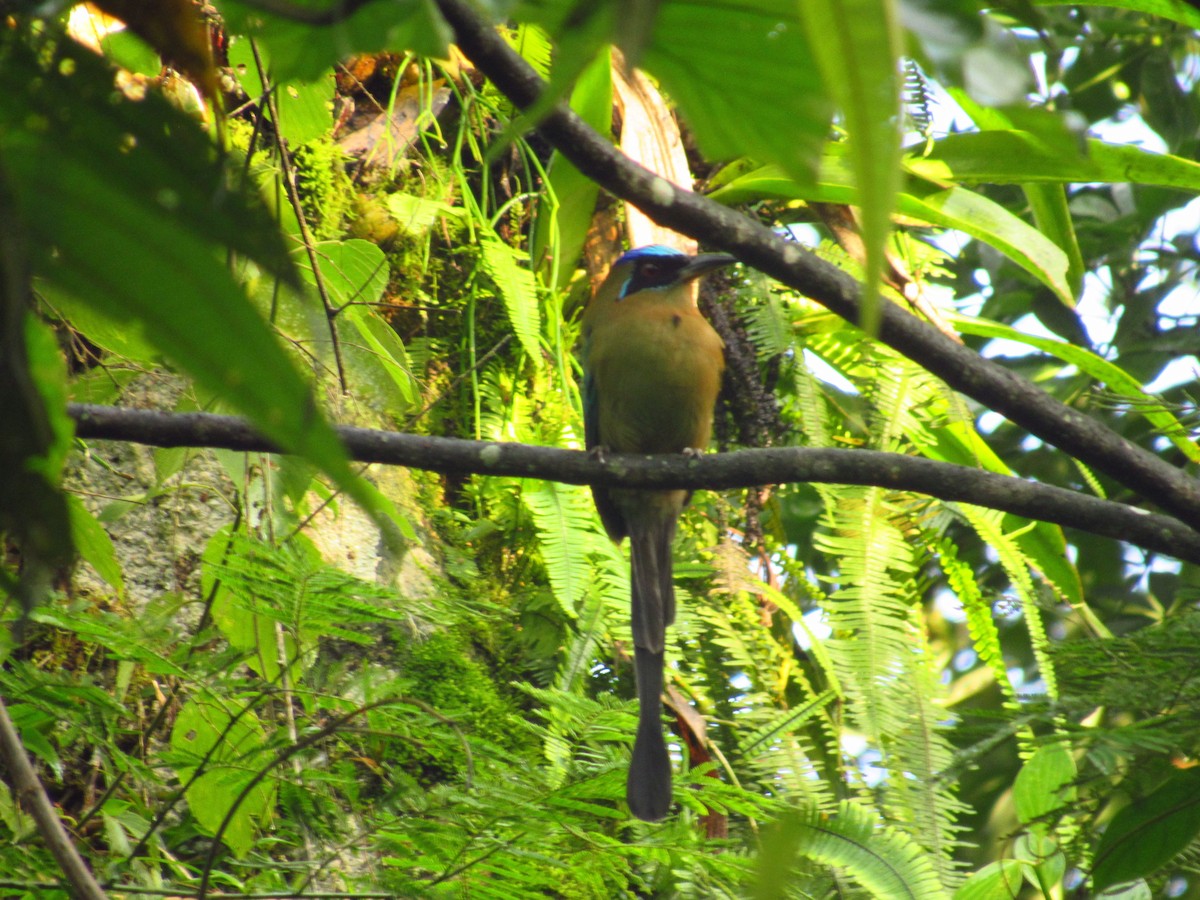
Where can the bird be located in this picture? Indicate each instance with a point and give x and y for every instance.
(652, 371)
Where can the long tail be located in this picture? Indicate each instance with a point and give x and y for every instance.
(648, 789)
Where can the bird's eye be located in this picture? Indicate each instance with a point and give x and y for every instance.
(651, 269)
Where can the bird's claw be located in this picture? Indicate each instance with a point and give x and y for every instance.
(599, 453)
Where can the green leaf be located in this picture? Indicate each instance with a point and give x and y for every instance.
(93, 543)
(948, 207)
(1048, 202)
(1110, 374)
(246, 630)
(859, 67)
(1042, 543)
(97, 178)
(416, 215)
(305, 107)
(1042, 854)
(353, 271)
(1146, 835)
(302, 52)
(999, 880)
(1044, 783)
(386, 353)
(225, 746)
(125, 339)
(1019, 157)
(127, 50)
(699, 51)
(508, 270)
(1130, 890)
(563, 516)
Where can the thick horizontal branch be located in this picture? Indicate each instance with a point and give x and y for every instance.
(716, 226)
(743, 468)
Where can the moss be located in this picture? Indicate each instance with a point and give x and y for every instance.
(326, 192)
(442, 671)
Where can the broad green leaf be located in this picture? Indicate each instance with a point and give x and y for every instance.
(161, 158)
(302, 52)
(1047, 202)
(1146, 835)
(999, 880)
(127, 50)
(95, 176)
(305, 107)
(353, 271)
(1113, 376)
(1019, 157)
(35, 433)
(386, 352)
(1130, 890)
(509, 272)
(948, 207)
(93, 543)
(1044, 783)
(125, 339)
(416, 215)
(100, 385)
(227, 747)
(859, 67)
(1044, 856)
(699, 51)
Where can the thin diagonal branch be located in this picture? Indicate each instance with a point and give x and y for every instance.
(744, 468)
(288, 174)
(716, 226)
(32, 797)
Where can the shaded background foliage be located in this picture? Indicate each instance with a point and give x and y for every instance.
(922, 698)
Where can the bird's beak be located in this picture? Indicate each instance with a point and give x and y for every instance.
(703, 263)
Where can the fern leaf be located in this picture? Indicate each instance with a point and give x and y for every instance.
(518, 289)
(563, 516)
(881, 859)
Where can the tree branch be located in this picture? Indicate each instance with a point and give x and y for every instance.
(744, 468)
(716, 226)
(32, 797)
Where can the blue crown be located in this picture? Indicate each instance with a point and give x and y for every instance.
(650, 250)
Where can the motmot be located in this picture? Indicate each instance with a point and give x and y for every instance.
(652, 371)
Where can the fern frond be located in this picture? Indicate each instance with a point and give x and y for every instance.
(988, 523)
(768, 326)
(509, 271)
(918, 101)
(564, 519)
(883, 860)
(985, 637)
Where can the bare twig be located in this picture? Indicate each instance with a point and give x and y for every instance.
(288, 171)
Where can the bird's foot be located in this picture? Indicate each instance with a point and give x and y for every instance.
(692, 452)
(599, 453)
